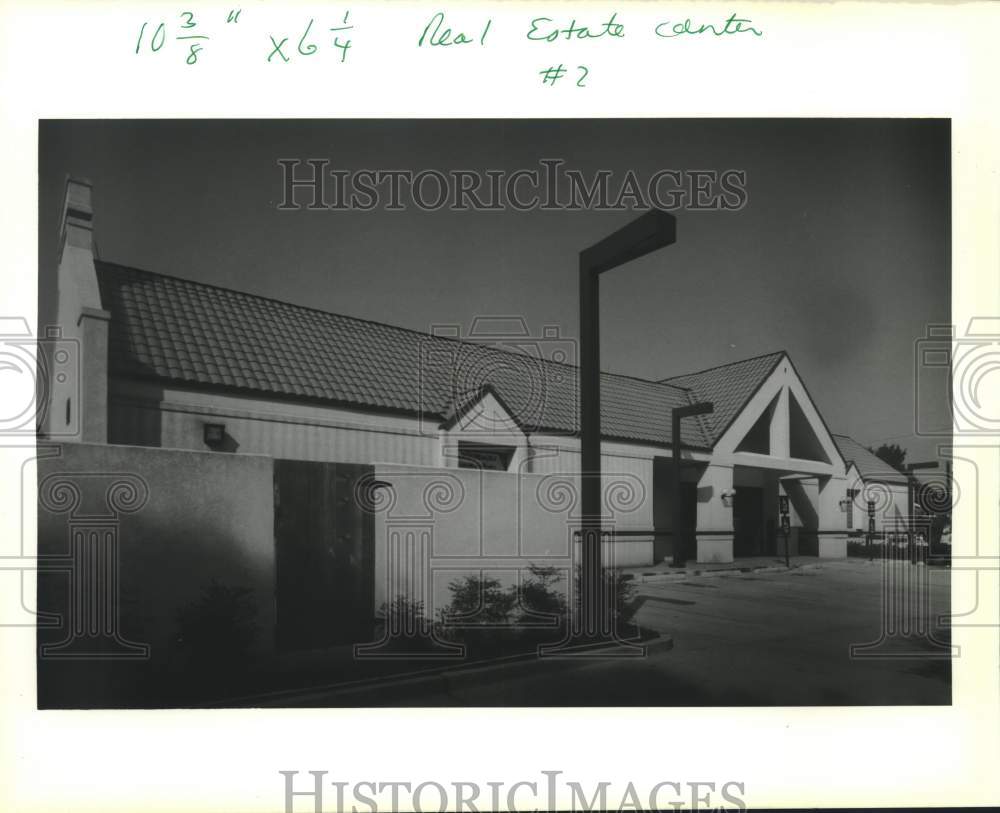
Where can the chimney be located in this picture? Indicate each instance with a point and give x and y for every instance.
(78, 376)
(78, 215)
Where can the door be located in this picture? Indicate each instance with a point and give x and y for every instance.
(324, 555)
(748, 521)
(672, 536)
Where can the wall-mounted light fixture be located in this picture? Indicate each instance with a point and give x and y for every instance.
(844, 503)
(727, 497)
(214, 434)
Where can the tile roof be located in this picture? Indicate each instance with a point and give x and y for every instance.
(869, 466)
(189, 332)
(728, 387)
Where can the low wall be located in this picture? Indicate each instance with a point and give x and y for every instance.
(434, 526)
(144, 547)
(160, 527)
(715, 549)
(832, 546)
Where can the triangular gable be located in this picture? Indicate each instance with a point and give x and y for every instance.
(758, 439)
(794, 424)
(483, 412)
(854, 480)
(803, 442)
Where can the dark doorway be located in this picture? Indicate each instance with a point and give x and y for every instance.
(324, 555)
(688, 520)
(670, 534)
(748, 521)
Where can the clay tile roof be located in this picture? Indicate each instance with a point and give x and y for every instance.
(728, 387)
(870, 467)
(188, 332)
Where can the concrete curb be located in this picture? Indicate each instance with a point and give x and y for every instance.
(728, 572)
(438, 680)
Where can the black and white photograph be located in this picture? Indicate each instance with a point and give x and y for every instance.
(424, 412)
(485, 407)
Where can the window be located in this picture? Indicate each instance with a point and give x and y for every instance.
(484, 456)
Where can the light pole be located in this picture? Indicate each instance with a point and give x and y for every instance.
(701, 408)
(648, 232)
(910, 468)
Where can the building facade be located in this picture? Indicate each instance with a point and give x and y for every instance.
(176, 364)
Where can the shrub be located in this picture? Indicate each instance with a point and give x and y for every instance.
(479, 600)
(404, 614)
(537, 594)
(217, 632)
(619, 592)
(490, 618)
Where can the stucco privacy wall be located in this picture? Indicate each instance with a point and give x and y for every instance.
(182, 519)
(434, 525)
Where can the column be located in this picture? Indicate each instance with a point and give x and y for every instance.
(714, 532)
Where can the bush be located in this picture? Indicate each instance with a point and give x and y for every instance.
(492, 620)
(619, 591)
(538, 596)
(217, 632)
(477, 600)
(405, 615)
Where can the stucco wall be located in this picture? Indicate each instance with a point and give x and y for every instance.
(183, 519)
(434, 525)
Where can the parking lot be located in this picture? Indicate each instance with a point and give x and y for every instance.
(785, 638)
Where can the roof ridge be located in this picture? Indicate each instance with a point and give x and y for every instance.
(421, 333)
(720, 366)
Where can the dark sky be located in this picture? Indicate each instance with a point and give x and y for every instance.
(841, 255)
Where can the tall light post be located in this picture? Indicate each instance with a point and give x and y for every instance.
(648, 232)
(701, 408)
(910, 468)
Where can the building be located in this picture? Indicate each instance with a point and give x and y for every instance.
(878, 486)
(167, 362)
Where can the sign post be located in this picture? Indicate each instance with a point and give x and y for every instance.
(871, 528)
(911, 514)
(785, 524)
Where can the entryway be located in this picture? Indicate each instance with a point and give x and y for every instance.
(748, 521)
(324, 555)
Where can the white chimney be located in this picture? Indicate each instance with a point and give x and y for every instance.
(75, 350)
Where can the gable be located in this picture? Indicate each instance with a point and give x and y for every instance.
(757, 440)
(854, 479)
(780, 420)
(484, 413)
(803, 440)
